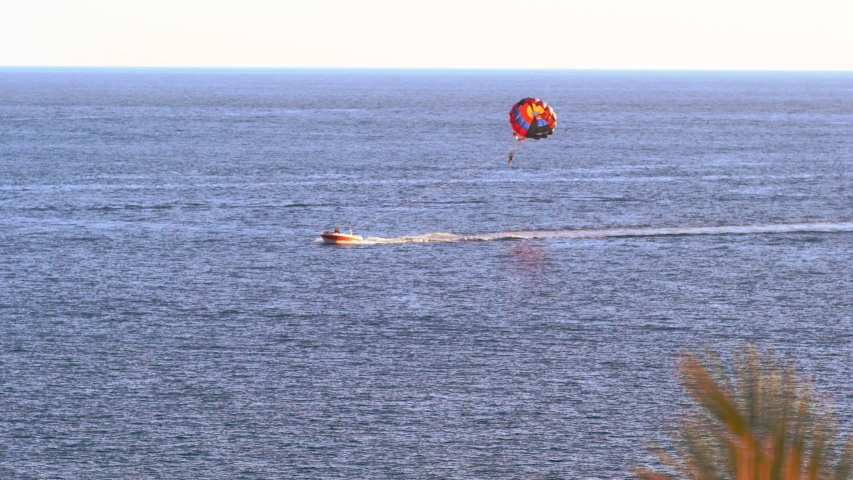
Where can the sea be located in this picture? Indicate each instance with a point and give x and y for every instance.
(168, 311)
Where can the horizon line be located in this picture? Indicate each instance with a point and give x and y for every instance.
(414, 69)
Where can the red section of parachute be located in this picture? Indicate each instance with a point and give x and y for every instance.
(532, 118)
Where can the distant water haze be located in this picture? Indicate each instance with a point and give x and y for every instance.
(166, 311)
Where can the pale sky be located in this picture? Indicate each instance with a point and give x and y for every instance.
(546, 34)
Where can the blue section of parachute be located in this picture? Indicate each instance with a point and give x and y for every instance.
(518, 119)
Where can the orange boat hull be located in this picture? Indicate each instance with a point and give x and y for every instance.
(329, 237)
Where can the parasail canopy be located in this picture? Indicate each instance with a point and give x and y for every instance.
(532, 118)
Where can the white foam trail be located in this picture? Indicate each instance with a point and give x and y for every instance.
(440, 237)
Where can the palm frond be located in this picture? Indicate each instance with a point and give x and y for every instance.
(763, 423)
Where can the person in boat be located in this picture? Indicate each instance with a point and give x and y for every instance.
(511, 154)
(337, 230)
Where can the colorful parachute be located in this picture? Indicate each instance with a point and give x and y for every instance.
(532, 118)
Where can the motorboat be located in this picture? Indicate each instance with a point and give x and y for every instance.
(332, 237)
(338, 237)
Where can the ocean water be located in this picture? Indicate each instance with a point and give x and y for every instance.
(166, 310)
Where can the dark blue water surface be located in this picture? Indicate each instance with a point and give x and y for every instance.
(166, 311)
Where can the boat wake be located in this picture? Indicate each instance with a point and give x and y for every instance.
(617, 232)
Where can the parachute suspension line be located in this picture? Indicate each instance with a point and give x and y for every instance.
(442, 186)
